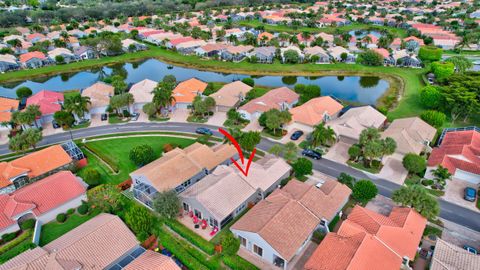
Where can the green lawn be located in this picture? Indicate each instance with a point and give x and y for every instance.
(54, 230)
(117, 150)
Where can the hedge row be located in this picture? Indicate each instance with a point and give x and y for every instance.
(238, 263)
(109, 160)
(170, 243)
(213, 263)
(16, 241)
(191, 236)
(20, 248)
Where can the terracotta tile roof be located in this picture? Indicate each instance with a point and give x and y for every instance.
(368, 240)
(313, 111)
(180, 165)
(99, 94)
(174, 42)
(225, 189)
(28, 56)
(239, 49)
(142, 91)
(230, 94)
(267, 35)
(151, 260)
(94, 244)
(40, 197)
(355, 120)
(383, 52)
(448, 257)
(273, 99)
(7, 106)
(459, 150)
(410, 134)
(186, 91)
(34, 164)
(49, 101)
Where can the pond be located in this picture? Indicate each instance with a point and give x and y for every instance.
(362, 33)
(365, 90)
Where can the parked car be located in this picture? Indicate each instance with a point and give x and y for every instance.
(204, 131)
(104, 117)
(470, 194)
(312, 154)
(55, 124)
(296, 135)
(134, 116)
(470, 249)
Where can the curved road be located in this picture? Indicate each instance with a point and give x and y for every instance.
(449, 211)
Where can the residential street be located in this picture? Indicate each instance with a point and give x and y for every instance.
(449, 211)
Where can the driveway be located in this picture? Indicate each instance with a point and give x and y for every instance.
(338, 152)
(287, 139)
(180, 115)
(96, 120)
(253, 126)
(454, 193)
(49, 130)
(393, 170)
(217, 119)
(460, 235)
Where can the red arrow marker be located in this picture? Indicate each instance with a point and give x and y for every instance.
(240, 152)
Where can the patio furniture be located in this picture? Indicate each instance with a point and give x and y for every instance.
(214, 231)
(197, 226)
(204, 224)
(195, 219)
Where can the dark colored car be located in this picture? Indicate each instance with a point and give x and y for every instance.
(296, 135)
(204, 131)
(470, 194)
(470, 249)
(135, 116)
(55, 124)
(312, 154)
(104, 117)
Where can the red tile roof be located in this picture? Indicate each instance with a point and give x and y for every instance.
(459, 150)
(47, 100)
(40, 197)
(271, 100)
(30, 55)
(370, 241)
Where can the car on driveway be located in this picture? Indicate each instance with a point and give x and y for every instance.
(470, 194)
(134, 116)
(296, 135)
(312, 154)
(470, 249)
(104, 117)
(204, 131)
(55, 124)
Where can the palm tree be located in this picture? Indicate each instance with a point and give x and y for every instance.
(78, 105)
(162, 98)
(31, 113)
(322, 135)
(129, 100)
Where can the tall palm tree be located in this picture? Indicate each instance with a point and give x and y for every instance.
(162, 98)
(129, 100)
(78, 105)
(322, 135)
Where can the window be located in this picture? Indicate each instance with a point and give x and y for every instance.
(243, 241)
(20, 182)
(239, 209)
(186, 207)
(213, 222)
(198, 214)
(258, 250)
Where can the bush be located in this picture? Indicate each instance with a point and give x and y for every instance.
(238, 263)
(83, 209)
(443, 70)
(427, 182)
(249, 81)
(414, 163)
(430, 97)
(70, 211)
(302, 167)
(318, 236)
(347, 180)
(169, 147)
(192, 237)
(142, 154)
(140, 220)
(434, 118)
(15, 250)
(61, 217)
(28, 224)
(8, 237)
(230, 244)
(430, 53)
(91, 176)
(364, 190)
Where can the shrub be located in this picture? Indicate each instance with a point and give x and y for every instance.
(427, 182)
(443, 70)
(168, 147)
(317, 236)
(230, 244)
(27, 224)
(249, 81)
(430, 53)
(140, 220)
(364, 190)
(142, 154)
(91, 176)
(347, 180)
(192, 237)
(302, 167)
(14, 251)
(70, 211)
(83, 209)
(434, 118)
(238, 263)
(61, 217)
(414, 163)
(8, 237)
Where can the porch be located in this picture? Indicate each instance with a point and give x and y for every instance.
(189, 222)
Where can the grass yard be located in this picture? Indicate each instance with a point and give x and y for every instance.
(117, 151)
(54, 230)
(359, 165)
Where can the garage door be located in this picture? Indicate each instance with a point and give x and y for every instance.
(466, 176)
(347, 140)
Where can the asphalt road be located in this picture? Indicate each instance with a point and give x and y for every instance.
(449, 211)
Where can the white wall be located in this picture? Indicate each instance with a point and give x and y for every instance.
(12, 228)
(98, 110)
(52, 214)
(467, 176)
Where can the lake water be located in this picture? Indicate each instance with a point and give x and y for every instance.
(365, 90)
(363, 33)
